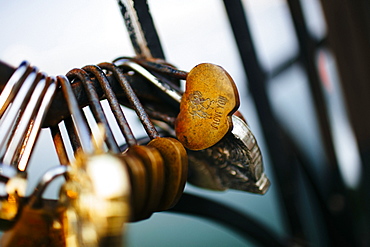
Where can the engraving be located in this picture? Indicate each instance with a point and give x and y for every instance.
(216, 120)
(207, 108)
(198, 105)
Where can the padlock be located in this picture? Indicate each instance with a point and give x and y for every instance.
(171, 150)
(97, 192)
(97, 198)
(39, 223)
(206, 107)
(233, 162)
(23, 104)
(144, 164)
(236, 163)
(12, 191)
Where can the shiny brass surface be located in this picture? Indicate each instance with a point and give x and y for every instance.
(209, 100)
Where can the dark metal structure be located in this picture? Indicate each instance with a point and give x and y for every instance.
(340, 226)
(349, 39)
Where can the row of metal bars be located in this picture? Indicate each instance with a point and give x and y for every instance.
(286, 158)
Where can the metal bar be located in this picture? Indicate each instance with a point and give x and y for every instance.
(140, 26)
(59, 145)
(80, 128)
(308, 50)
(348, 25)
(283, 161)
(246, 226)
(134, 100)
(293, 60)
(113, 103)
(95, 105)
(74, 140)
(36, 125)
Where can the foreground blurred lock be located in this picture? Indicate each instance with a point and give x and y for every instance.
(12, 190)
(97, 197)
(39, 222)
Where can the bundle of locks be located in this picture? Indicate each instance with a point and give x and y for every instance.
(208, 143)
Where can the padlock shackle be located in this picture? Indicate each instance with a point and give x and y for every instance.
(35, 200)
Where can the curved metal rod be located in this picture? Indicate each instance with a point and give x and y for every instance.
(58, 110)
(12, 85)
(35, 128)
(113, 103)
(169, 91)
(75, 111)
(12, 114)
(158, 66)
(35, 200)
(24, 127)
(240, 222)
(94, 103)
(134, 100)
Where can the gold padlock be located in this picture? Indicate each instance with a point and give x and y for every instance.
(39, 223)
(97, 197)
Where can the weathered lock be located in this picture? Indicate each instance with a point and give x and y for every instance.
(97, 198)
(210, 99)
(236, 163)
(235, 160)
(39, 222)
(12, 191)
(171, 150)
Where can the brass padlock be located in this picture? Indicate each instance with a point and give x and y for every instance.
(97, 198)
(40, 222)
(12, 190)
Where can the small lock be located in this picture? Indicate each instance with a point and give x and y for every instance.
(12, 191)
(39, 222)
(233, 163)
(210, 99)
(97, 199)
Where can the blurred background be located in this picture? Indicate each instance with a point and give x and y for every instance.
(290, 94)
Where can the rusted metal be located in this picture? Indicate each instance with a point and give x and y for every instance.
(58, 110)
(24, 102)
(133, 99)
(113, 102)
(141, 29)
(59, 145)
(95, 106)
(167, 92)
(78, 130)
(157, 65)
(153, 104)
